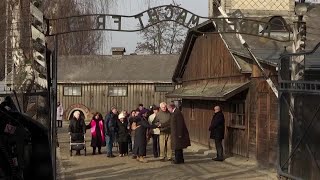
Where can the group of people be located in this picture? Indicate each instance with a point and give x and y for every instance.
(164, 124)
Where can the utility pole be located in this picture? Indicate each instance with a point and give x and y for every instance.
(297, 73)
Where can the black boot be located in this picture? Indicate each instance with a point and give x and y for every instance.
(99, 150)
(217, 159)
(93, 150)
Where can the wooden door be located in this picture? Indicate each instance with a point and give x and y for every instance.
(236, 134)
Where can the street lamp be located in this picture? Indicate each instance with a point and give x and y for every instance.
(301, 9)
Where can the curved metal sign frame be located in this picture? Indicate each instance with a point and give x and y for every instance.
(156, 15)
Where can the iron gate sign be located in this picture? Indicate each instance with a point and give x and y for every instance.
(153, 16)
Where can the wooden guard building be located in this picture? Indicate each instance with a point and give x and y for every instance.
(96, 83)
(215, 69)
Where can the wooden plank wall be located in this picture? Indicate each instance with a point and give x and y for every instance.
(263, 134)
(258, 140)
(95, 97)
(210, 59)
(198, 126)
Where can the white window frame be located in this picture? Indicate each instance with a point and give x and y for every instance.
(118, 91)
(165, 88)
(72, 91)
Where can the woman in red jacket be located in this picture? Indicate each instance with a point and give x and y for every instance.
(96, 127)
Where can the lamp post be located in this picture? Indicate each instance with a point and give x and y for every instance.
(297, 72)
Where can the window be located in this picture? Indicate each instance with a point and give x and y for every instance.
(276, 24)
(237, 114)
(72, 91)
(164, 88)
(117, 91)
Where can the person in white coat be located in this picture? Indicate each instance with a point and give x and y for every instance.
(59, 114)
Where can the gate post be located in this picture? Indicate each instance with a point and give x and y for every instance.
(53, 104)
(297, 73)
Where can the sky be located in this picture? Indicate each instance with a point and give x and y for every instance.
(132, 7)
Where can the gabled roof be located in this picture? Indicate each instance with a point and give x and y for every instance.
(267, 51)
(209, 91)
(238, 53)
(116, 69)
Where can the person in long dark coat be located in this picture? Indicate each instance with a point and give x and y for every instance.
(77, 128)
(140, 143)
(96, 127)
(122, 136)
(217, 132)
(111, 130)
(179, 133)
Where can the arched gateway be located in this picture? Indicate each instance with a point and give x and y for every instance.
(84, 111)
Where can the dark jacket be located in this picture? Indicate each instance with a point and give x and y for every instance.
(179, 132)
(111, 126)
(77, 128)
(217, 126)
(123, 131)
(164, 119)
(140, 142)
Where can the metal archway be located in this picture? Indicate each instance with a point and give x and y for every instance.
(147, 19)
(151, 17)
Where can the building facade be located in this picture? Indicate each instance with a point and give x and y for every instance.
(96, 83)
(215, 69)
(211, 74)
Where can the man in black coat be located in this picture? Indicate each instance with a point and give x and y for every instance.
(217, 132)
(111, 129)
(179, 133)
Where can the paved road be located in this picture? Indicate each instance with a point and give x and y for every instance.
(197, 166)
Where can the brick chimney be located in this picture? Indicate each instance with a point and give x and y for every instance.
(118, 51)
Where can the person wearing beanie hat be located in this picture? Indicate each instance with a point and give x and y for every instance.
(122, 135)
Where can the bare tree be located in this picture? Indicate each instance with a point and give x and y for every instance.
(77, 43)
(163, 38)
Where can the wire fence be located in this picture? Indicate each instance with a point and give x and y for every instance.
(273, 5)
